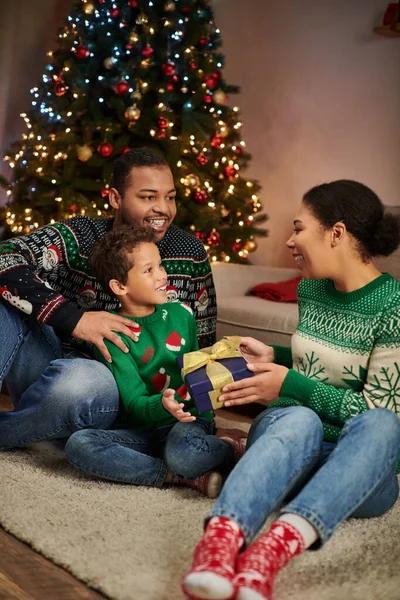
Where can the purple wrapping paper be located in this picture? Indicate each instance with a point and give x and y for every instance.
(198, 384)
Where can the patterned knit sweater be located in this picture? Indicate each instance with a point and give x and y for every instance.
(46, 274)
(345, 355)
(150, 367)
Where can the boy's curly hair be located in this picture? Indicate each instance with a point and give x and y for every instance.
(110, 257)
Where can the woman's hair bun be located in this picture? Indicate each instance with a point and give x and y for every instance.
(386, 238)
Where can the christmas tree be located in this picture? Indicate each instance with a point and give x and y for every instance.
(133, 73)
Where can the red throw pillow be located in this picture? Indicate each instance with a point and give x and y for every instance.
(281, 291)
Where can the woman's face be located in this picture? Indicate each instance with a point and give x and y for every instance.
(311, 245)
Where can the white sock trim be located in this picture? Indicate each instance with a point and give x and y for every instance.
(304, 527)
(208, 585)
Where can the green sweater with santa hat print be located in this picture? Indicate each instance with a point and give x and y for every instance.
(345, 353)
(150, 366)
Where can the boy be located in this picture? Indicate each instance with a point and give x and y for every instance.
(161, 441)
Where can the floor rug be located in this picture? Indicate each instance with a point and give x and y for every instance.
(135, 543)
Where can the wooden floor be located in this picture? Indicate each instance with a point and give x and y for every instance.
(27, 575)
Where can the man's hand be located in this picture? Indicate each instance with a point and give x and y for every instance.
(256, 352)
(97, 326)
(176, 408)
(265, 385)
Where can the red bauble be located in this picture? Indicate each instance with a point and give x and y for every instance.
(125, 149)
(200, 197)
(204, 40)
(114, 12)
(186, 9)
(169, 68)
(147, 51)
(72, 208)
(230, 171)
(217, 75)
(200, 236)
(210, 82)
(133, 3)
(105, 149)
(238, 150)
(105, 192)
(216, 141)
(192, 64)
(175, 79)
(208, 98)
(214, 238)
(170, 87)
(236, 246)
(129, 46)
(121, 88)
(82, 52)
(161, 135)
(202, 159)
(163, 122)
(60, 89)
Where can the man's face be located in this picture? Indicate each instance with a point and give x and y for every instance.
(149, 199)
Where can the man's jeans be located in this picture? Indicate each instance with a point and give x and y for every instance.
(53, 395)
(287, 461)
(145, 457)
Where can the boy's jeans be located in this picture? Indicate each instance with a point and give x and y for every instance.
(287, 461)
(145, 457)
(53, 396)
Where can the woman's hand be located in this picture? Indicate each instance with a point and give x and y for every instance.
(265, 385)
(175, 408)
(254, 351)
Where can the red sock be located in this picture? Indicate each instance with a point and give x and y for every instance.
(259, 564)
(213, 570)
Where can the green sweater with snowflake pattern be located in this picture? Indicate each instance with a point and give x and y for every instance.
(345, 354)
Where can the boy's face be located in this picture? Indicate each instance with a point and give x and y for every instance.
(147, 279)
(149, 199)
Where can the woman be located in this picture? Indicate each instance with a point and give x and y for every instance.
(319, 453)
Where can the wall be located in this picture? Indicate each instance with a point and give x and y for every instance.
(320, 101)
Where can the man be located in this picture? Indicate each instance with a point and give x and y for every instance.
(52, 309)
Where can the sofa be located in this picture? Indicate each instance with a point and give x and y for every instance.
(270, 322)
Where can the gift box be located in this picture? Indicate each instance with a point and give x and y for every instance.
(207, 371)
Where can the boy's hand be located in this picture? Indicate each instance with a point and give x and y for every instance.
(176, 408)
(96, 326)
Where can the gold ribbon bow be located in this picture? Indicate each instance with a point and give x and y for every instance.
(219, 375)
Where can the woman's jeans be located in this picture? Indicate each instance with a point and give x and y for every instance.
(53, 395)
(287, 462)
(145, 457)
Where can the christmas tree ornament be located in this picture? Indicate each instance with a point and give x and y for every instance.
(169, 6)
(114, 12)
(88, 8)
(200, 236)
(202, 159)
(136, 95)
(142, 19)
(169, 68)
(121, 88)
(105, 192)
(147, 51)
(192, 64)
(214, 238)
(184, 89)
(81, 52)
(219, 96)
(125, 149)
(145, 63)
(162, 123)
(170, 87)
(105, 149)
(204, 40)
(230, 172)
(192, 181)
(60, 89)
(210, 82)
(133, 3)
(224, 212)
(133, 38)
(236, 246)
(200, 197)
(208, 98)
(223, 129)
(132, 113)
(72, 207)
(84, 153)
(109, 62)
(237, 149)
(216, 141)
(250, 245)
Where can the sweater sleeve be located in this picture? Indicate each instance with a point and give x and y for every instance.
(283, 355)
(381, 387)
(207, 319)
(144, 408)
(21, 261)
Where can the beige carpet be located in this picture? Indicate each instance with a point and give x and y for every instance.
(136, 543)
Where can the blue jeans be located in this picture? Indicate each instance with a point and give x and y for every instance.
(145, 457)
(287, 461)
(53, 395)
